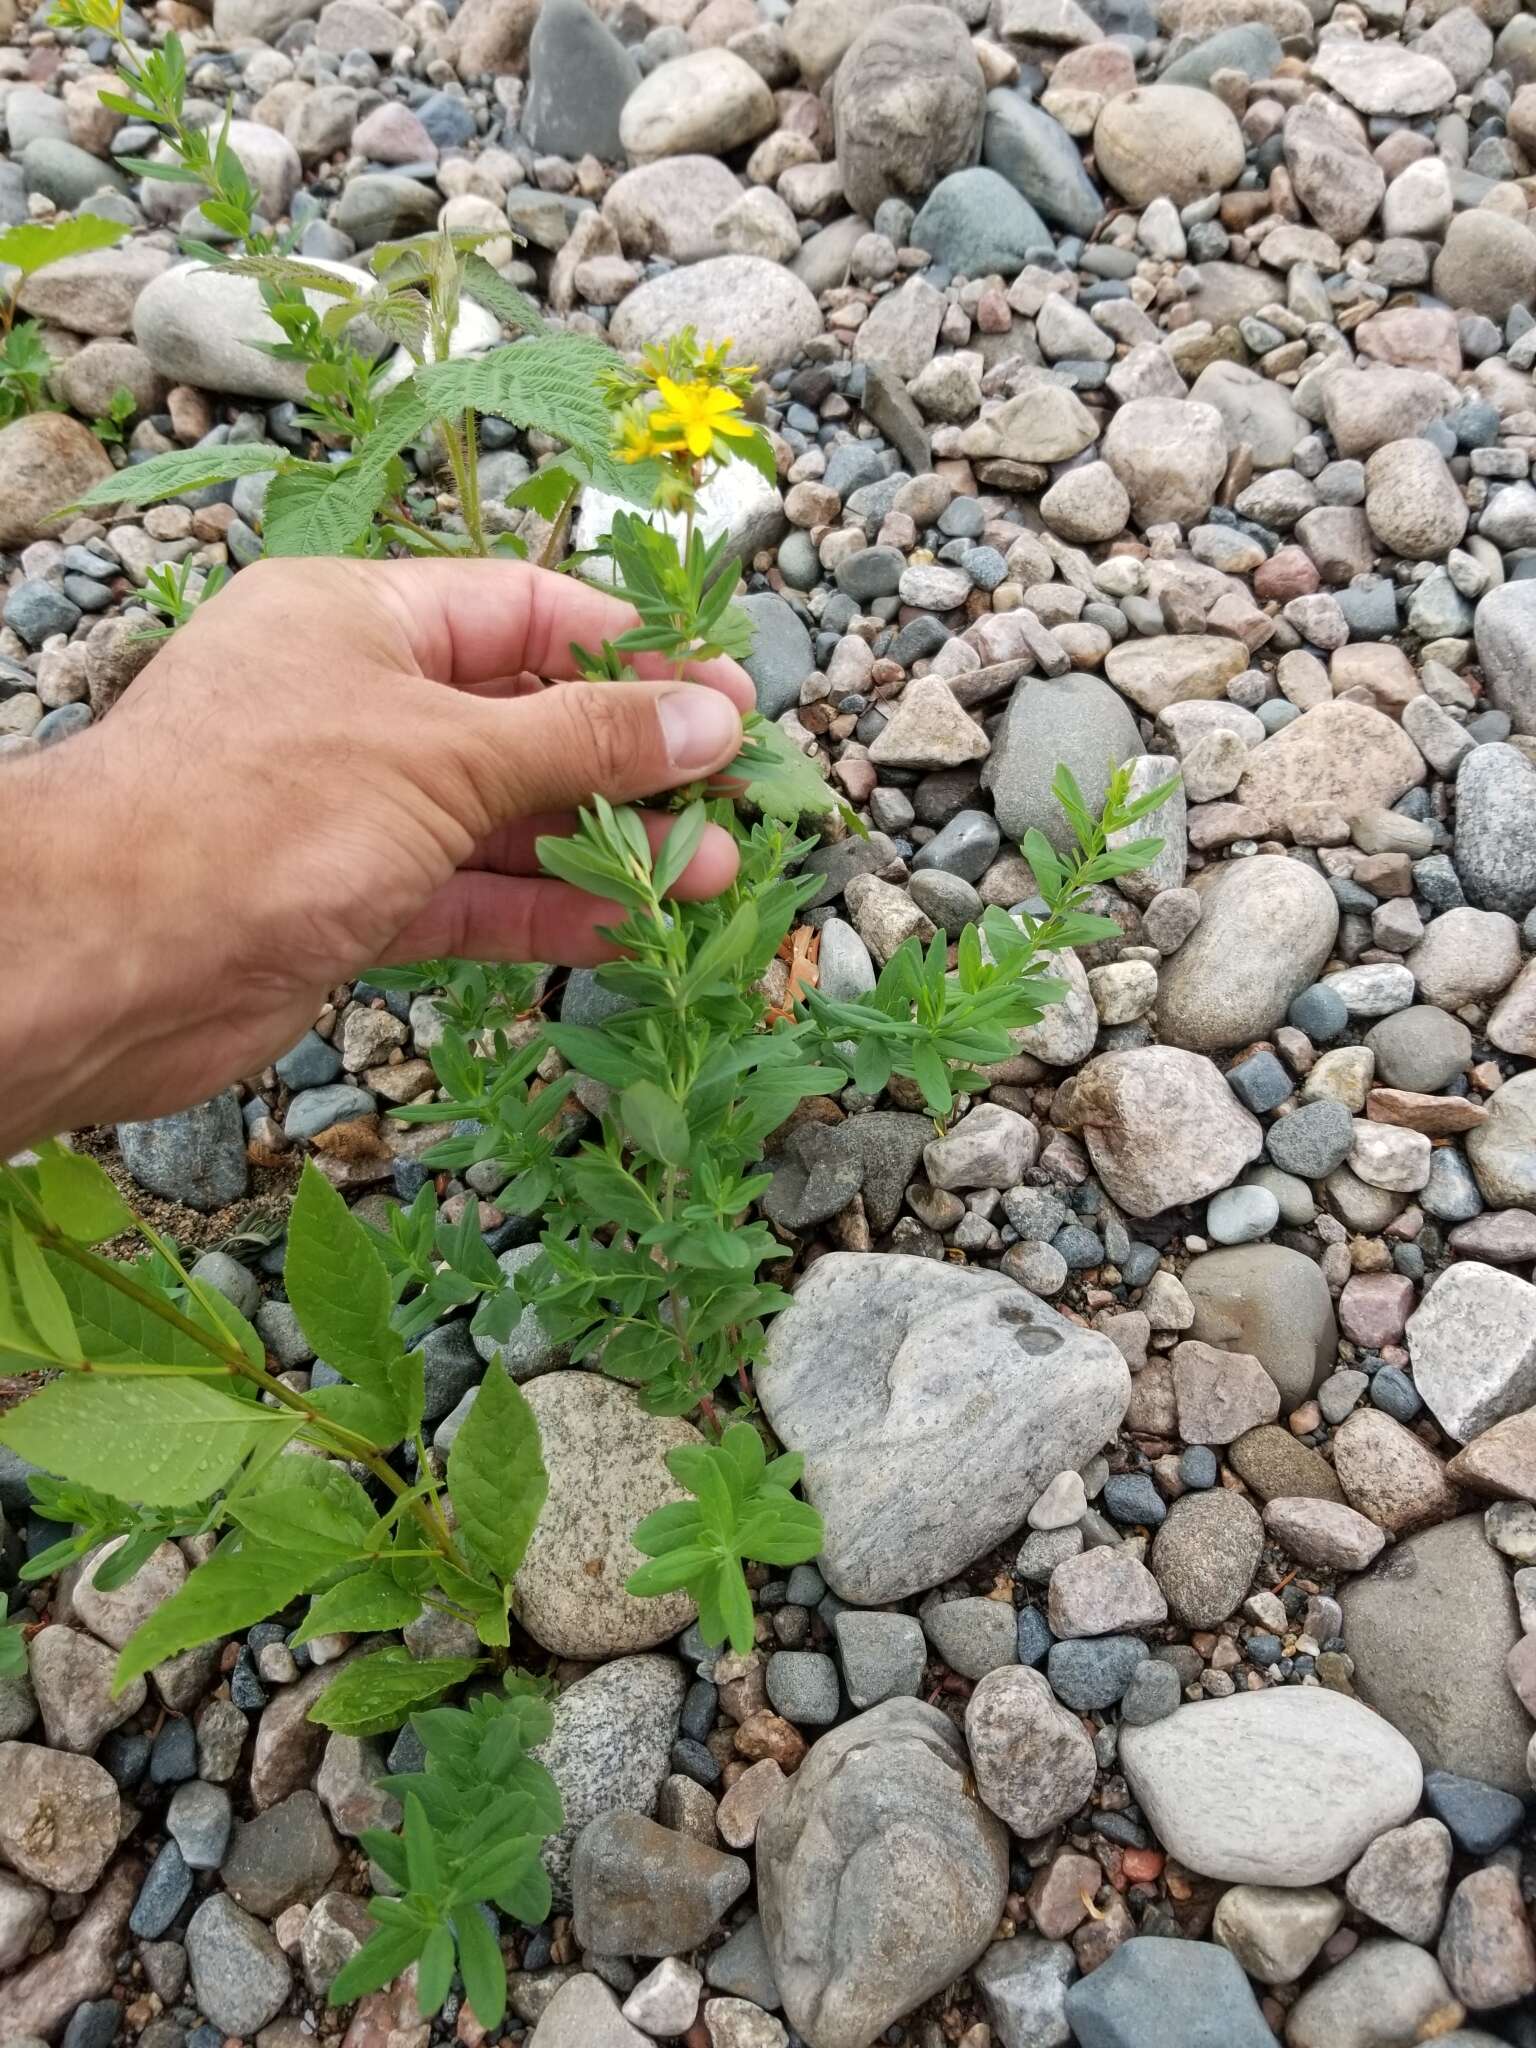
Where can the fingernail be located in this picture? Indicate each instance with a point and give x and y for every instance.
(700, 728)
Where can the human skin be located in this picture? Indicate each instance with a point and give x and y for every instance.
(335, 765)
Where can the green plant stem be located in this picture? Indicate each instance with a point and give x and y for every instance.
(461, 460)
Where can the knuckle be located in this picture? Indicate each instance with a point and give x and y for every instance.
(609, 735)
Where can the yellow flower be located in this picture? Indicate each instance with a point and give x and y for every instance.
(637, 440)
(698, 412)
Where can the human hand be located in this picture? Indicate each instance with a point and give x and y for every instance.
(335, 765)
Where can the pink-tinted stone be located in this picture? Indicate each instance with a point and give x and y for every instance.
(1289, 572)
(1374, 1307)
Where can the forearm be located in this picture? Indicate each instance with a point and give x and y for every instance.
(65, 930)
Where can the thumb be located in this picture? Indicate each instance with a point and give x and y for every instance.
(569, 742)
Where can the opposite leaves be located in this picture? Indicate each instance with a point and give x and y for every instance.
(744, 1509)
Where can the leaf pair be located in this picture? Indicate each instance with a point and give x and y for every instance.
(742, 1508)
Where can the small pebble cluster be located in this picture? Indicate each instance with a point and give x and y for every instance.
(1148, 388)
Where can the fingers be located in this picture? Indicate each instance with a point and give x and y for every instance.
(560, 748)
(471, 623)
(510, 850)
(484, 916)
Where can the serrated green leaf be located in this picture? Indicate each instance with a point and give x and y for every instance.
(78, 1197)
(378, 1692)
(491, 289)
(42, 1299)
(184, 469)
(241, 1584)
(496, 1476)
(339, 1287)
(780, 780)
(32, 245)
(160, 1441)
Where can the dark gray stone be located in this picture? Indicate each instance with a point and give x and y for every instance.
(975, 222)
(1157, 1993)
(1075, 719)
(1040, 160)
(782, 656)
(1093, 1672)
(1495, 850)
(196, 1156)
(1312, 1140)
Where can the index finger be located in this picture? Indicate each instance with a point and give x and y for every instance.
(473, 622)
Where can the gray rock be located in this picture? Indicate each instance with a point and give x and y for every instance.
(198, 1821)
(908, 104)
(1161, 1126)
(316, 1109)
(1023, 1986)
(1505, 627)
(975, 222)
(1272, 1303)
(282, 1857)
(377, 206)
(761, 308)
(1495, 846)
(879, 1361)
(196, 1156)
(880, 1874)
(1158, 1993)
(782, 656)
(72, 1680)
(1472, 1341)
(1093, 1673)
(882, 1655)
(1251, 47)
(1429, 1628)
(524, 1347)
(1400, 1880)
(197, 326)
(1503, 1150)
(1205, 1554)
(1033, 1762)
(585, 2014)
(579, 76)
(67, 174)
(640, 1889)
(1327, 1775)
(741, 1966)
(972, 1636)
(1314, 1139)
(1385, 1991)
(1266, 929)
(610, 1745)
(1075, 719)
(1153, 1692)
(606, 1460)
(1039, 158)
(240, 1977)
(802, 1686)
(1420, 1048)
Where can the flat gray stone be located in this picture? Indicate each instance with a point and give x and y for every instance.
(1283, 1787)
(934, 1405)
(1429, 1628)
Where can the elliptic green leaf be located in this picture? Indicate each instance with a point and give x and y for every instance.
(496, 1476)
(241, 1584)
(162, 1441)
(338, 1285)
(77, 1196)
(378, 1692)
